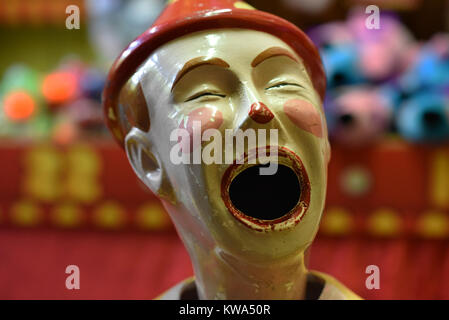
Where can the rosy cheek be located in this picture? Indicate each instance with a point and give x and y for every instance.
(209, 118)
(305, 116)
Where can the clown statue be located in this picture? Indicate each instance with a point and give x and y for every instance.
(181, 99)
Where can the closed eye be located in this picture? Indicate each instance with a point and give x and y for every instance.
(205, 94)
(284, 84)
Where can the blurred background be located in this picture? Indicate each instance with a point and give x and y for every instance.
(68, 195)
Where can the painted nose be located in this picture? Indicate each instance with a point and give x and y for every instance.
(260, 113)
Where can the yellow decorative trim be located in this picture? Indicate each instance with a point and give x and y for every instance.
(243, 5)
(26, 214)
(433, 225)
(384, 222)
(67, 216)
(152, 217)
(109, 215)
(337, 221)
(43, 165)
(117, 133)
(439, 184)
(84, 166)
(111, 114)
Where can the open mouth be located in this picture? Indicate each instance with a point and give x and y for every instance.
(276, 201)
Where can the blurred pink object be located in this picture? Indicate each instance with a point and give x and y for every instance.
(383, 52)
(85, 112)
(76, 120)
(440, 43)
(362, 115)
(334, 33)
(65, 133)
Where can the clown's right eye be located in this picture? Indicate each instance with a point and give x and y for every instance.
(205, 94)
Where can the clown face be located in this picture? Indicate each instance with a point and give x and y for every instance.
(231, 218)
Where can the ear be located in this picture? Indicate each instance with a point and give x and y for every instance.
(146, 164)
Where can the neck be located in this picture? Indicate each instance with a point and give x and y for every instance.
(220, 276)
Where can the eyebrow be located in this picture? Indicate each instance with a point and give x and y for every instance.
(271, 53)
(198, 62)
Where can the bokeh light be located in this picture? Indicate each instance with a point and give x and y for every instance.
(19, 105)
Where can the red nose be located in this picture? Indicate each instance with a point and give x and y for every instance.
(260, 113)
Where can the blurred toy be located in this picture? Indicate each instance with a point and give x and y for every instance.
(77, 120)
(381, 51)
(60, 87)
(19, 106)
(92, 83)
(79, 115)
(430, 71)
(341, 67)
(440, 44)
(339, 53)
(63, 104)
(358, 116)
(331, 34)
(22, 113)
(20, 77)
(424, 118)
(19, 92)
(377, 74)
(65, 131)
(86, 113)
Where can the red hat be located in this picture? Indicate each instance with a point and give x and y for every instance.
(183, 17)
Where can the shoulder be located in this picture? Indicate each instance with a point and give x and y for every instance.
(331, 289)
(178, 292)
(334, 289)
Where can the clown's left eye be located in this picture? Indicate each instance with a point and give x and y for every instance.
(205, 94)
(283, 85)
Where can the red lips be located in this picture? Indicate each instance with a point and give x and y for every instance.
(287, 221)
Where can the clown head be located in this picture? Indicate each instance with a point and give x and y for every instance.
(213, 70)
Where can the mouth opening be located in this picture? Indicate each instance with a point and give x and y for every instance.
(347, 120)
(265, 197)
(433, 119)
(267, 202)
